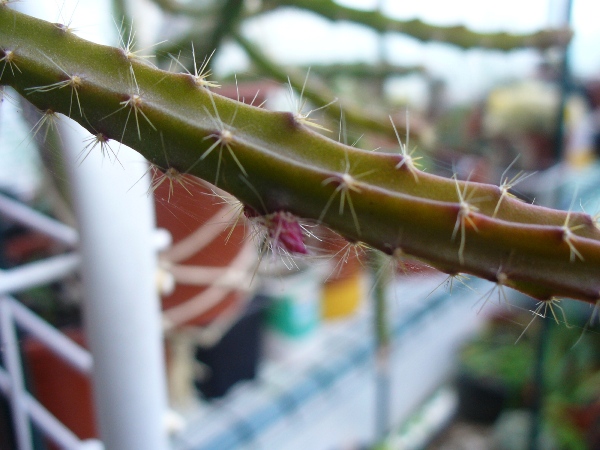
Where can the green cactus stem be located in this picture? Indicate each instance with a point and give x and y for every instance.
(366, 71)
(371, 197)
(458, 35)
(319, 94)
(355, 71)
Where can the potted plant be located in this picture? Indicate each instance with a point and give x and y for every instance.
(494, 371)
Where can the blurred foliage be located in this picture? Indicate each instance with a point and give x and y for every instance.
(504, 353)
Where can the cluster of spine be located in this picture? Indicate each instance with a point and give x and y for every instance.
(274, 163)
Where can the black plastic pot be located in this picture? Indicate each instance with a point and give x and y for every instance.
(480, 400)
(235, 357)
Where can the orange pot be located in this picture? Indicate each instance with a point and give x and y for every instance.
(63, 390)
(182, 212)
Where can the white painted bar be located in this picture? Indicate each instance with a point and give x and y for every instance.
(121, 307)
(61, 345)
(38, 273)
(12, 362)
(25, 215)
(49, 425)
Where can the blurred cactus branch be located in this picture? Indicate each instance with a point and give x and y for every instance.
(319, 94)
(222, 19)
(366, 71)
(356, 71)
(458, 35)
(175, 7)
(384, 200)
(227, 21)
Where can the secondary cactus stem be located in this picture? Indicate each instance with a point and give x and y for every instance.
(275, 166)
(456, 35)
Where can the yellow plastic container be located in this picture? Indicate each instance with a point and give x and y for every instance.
(341, 298)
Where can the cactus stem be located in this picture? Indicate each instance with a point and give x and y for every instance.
(135, 103)
(593, 221)
(64, 28)
(408, 161)
(297, 170)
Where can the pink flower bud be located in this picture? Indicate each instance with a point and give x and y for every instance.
(286, 233)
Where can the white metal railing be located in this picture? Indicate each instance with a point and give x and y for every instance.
(38, 221)
(115, 220)
(14, 315)
(38, 273)
(25, 408)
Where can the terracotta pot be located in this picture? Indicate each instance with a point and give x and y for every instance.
(63, 390)
(584, 417)
(183, 211)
